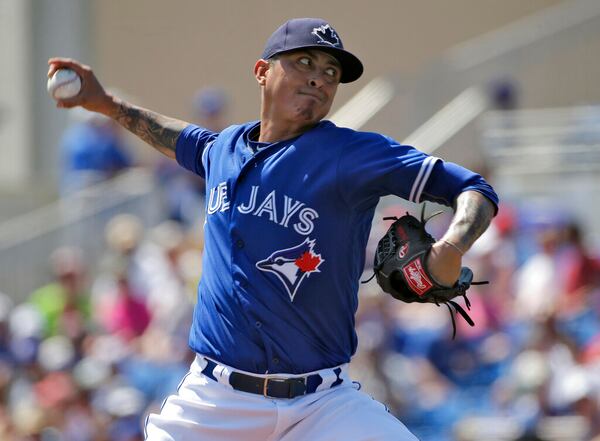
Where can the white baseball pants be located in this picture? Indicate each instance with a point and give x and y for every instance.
(207, 410)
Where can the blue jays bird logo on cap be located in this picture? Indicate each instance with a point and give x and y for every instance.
(293, 265)
(327, 35)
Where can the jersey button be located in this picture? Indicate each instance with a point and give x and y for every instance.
(239, 243)
(275, 360)
(258, 324)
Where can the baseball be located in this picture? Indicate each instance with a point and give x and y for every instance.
(65, 83)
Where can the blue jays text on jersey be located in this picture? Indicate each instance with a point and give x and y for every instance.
(285, 235)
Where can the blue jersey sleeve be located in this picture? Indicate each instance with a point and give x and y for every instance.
(372, 166)
(191, 144)
(448, 180)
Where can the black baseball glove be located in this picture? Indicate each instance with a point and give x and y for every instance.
(401, 270)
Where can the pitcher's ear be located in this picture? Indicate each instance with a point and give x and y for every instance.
(260, 71)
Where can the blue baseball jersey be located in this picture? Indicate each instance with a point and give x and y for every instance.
(286, 229)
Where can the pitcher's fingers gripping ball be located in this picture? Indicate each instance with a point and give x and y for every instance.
(64, 84)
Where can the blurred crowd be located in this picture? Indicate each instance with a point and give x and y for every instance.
(89, 354)
(530, 367)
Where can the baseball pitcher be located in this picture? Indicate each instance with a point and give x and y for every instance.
(289, 203)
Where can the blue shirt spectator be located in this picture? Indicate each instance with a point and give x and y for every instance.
(91, 151)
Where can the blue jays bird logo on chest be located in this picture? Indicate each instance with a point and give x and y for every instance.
(293, 265)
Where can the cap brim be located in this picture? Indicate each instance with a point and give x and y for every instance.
(352, 68)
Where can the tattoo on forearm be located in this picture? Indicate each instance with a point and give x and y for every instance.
(159, 131)
(474, 212)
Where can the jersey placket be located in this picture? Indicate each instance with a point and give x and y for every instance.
(246, 162)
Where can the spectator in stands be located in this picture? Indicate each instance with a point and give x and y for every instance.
(504, 94)
(538, 281)
(6, 305)
(211, 106)
(581, 268)
(184, 191)
(125, 313)
(578, 308)
(126, 253)
(92, 150)
(168, 297)
(64, 303)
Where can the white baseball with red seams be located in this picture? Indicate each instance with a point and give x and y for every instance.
(65, 83)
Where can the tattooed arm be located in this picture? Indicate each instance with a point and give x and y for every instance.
(473, 214)
(160, 131)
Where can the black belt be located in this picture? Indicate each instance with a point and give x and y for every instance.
(273, 387)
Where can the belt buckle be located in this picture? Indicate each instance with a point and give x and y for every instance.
(266, 385)
(289, 381)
